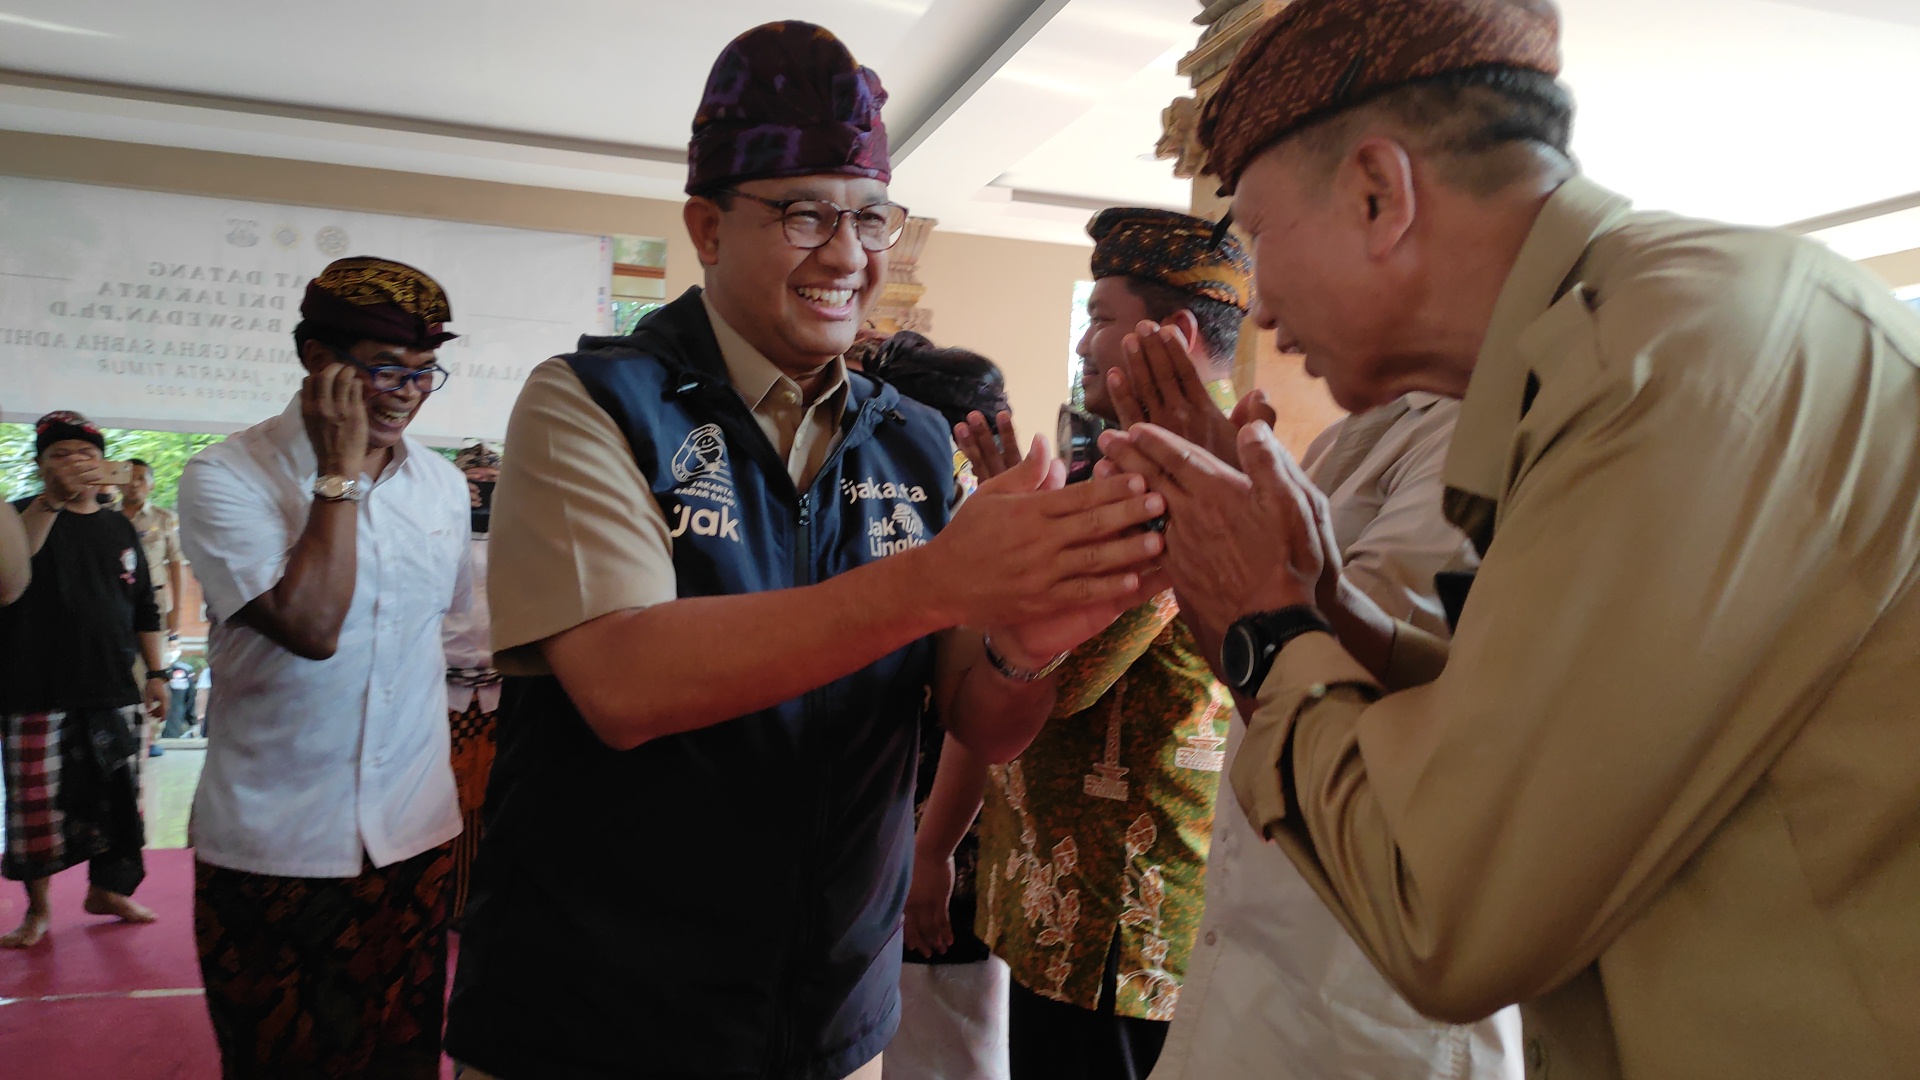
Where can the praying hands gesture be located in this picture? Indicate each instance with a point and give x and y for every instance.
(1237, 542)
(1160, 385)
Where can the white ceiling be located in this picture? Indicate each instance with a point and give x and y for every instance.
(1009, 117)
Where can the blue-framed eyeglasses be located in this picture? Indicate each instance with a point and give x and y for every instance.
(387, 378)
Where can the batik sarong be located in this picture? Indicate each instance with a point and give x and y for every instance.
(473, 750)
(326, 977)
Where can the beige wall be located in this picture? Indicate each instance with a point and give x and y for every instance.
(1899, 270)
(1011, 302)
(1005, 299)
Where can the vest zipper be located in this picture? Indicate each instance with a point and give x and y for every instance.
(803, 575)
(803, 542)
(789, 990)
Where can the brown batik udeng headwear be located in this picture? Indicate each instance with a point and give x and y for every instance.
(1320, 57)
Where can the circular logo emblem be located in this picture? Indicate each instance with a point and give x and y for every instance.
(704, 453)
(241, 233)
(331, 240)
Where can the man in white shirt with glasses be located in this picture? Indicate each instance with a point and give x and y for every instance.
(330, 546)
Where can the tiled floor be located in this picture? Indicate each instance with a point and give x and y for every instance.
(169, 781)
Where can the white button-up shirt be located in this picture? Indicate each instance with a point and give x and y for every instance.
(310, 763)
(1276, 989)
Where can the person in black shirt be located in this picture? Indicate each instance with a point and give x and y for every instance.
(69, 704)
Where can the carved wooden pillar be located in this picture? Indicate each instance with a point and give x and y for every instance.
(1304, 407)
(898, 306)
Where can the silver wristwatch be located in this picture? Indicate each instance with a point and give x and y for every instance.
(338, 489)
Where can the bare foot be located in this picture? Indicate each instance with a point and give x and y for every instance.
(102, 902)
(28, 934)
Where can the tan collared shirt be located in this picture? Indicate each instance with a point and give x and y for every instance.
(1381, 473)
(159, 530)
(803, 431)
(1664, 791)
(580, 534)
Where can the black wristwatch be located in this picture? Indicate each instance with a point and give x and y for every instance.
(159, 673)
(1252, 642)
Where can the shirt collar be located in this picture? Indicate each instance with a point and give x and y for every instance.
(1476, 466)
(754, 376)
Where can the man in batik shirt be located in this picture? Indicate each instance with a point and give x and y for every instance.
(1093, 843)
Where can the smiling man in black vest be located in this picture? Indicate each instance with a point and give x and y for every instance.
(739, 574)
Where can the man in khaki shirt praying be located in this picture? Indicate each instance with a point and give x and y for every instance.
(1662, 790)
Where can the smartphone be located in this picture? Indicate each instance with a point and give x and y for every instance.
(116, 473)
(1078, 436)
(1077, 439)
(482, 515)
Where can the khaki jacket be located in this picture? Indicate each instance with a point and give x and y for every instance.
(1665, 790)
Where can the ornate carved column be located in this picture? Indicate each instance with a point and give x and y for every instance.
(898, 305)
(1302, 402)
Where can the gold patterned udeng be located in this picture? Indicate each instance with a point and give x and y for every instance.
(1173, 249)
(367, 282)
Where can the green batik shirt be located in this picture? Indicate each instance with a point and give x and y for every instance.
(1102, 826)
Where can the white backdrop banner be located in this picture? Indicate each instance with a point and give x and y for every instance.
(175, 312)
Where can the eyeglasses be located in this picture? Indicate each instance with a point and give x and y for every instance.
(812, 223)
(387, 378)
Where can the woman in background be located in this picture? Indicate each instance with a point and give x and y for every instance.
(953, 992)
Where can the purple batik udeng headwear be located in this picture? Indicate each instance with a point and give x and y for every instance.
(787, 99)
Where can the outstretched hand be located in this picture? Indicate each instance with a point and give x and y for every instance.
(989, 454)
(1031, 643)
(1024, 547)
